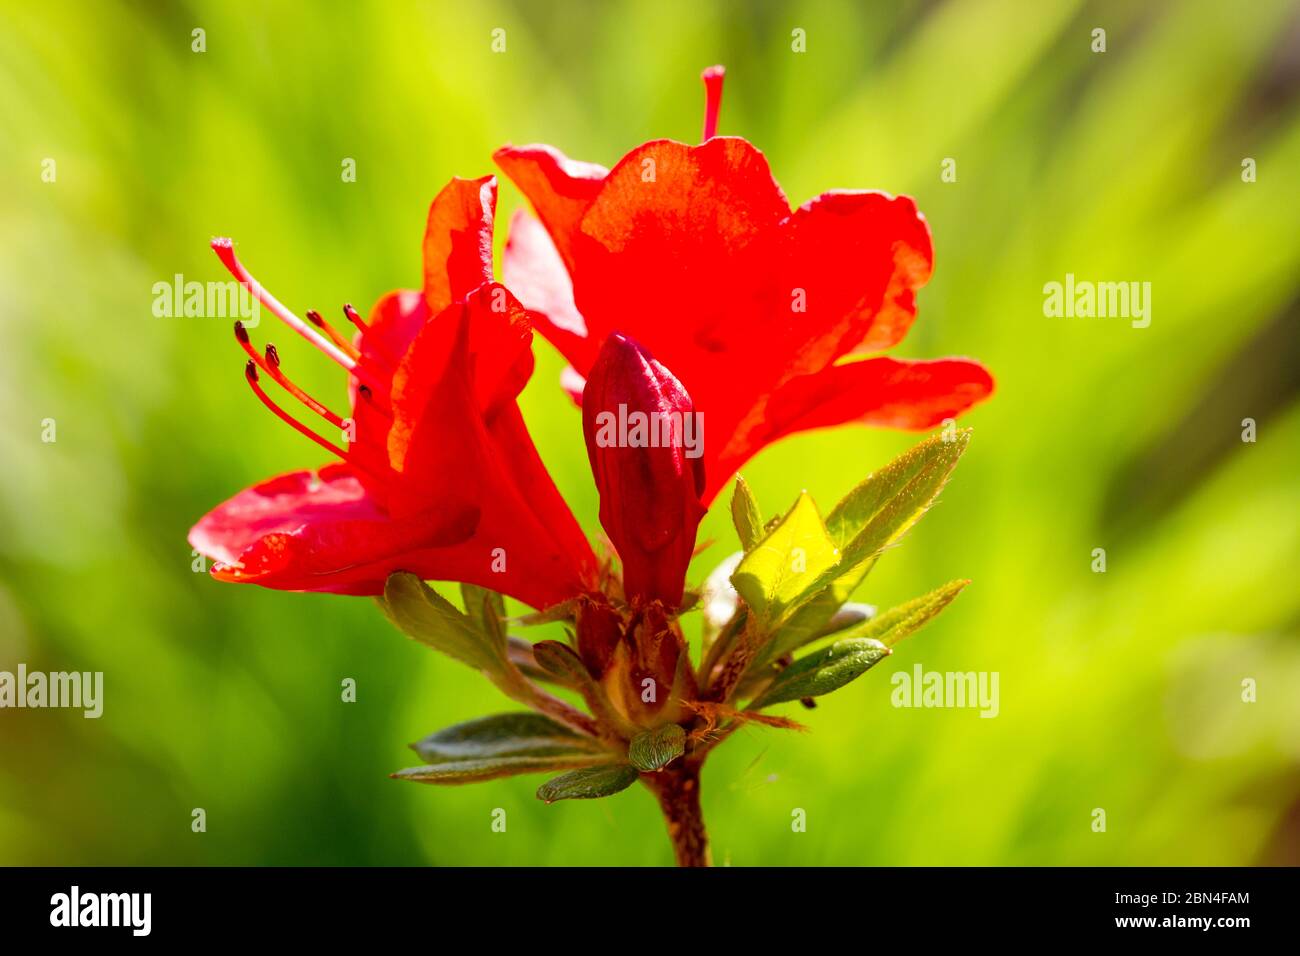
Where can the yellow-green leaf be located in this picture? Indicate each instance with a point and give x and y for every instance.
(897, 623)
(745, 515)
(781, 567)
(813, 617)
(889, 501)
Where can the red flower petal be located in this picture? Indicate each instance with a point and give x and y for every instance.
(492, 328)
(693, 251)
(473, 504)
(445, 481)
(533, 270)
(319, 531)
(523, 464)
(677, 250)
(859, 258)
(458, 241)
(884, 392)
(394, 323)
(457, 432)
(559, 188)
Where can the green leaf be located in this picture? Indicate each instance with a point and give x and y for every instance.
(521, 655)
(889, 501)
(823, 671)
(588, 783)
(564, 611)
(563, 662)
(782, 566)
(505, 735)
(898, 622)
(485, 608)
(425, 615)
(431, 619)
(655, 749)
(866, 500)
(882, 508)
(870, 518)
(745, 515)
(489, 768)
(813, 618)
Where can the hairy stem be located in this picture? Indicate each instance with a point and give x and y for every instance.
(678, 790)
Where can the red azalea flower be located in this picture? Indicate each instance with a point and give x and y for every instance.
(439, 476)
(687, 252)
(762, 312)
(644, 438)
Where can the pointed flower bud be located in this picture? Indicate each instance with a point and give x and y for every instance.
(600, 628)
(645, 441)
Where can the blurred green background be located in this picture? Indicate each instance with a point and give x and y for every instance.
(1119, 691)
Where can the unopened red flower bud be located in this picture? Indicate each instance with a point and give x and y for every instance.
(645, 442)
(600, 628)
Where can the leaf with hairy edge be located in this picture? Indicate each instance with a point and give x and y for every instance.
(655, 749)
(823, 616)
(894, 516)
(782, 566)
(881, 509)
(588, 783)
(812, 618)
(424, 614)
(878, 489)
(745, 515)
(485, 608)
(505, 735)
(898, 622)
(473, 771)
(722, 644)
(870, 518)
(823, 671)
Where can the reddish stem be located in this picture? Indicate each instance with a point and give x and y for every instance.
(678, 790)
